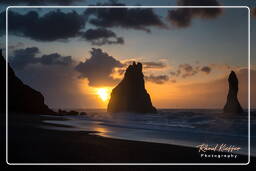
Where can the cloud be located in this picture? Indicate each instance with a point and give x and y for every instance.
(17, 45)
(23, 57)
(153, 65)
(40, 2)
(57, 26)
(98, 68)
(120, 71)
(217, 90)
(188, 70)
(146, 64)
(206, 69)
(102, 36)
(55, 59)
(159, 79)
(129, 18)
(148, 68)
(182, 17)
(186, 67)
(54, 25)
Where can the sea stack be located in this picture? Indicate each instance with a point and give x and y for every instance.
(130, 94)
(21, 98)
(232, 105)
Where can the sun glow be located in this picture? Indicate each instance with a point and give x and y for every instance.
(103, 93)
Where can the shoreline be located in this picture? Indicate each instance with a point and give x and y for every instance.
(28, 143)
(48, 125)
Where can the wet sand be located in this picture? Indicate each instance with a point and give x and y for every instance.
(28, 143)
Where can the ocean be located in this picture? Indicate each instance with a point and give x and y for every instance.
(190, 127)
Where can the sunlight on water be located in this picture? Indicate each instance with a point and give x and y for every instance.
(101, 131)
(170, 126)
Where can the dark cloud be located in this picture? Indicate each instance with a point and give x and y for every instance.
(40, 2)
(23, 57)
(102, 36)
(206, 69)
(159, 79)
(186, 67)
(129, 18)
(55, 59)
(98, 68)
(54, 25)
(179, 17)
(182, 17)
(148, 64)
(59, 25)
(188, 70)
(151, 65)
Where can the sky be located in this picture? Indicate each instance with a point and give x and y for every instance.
(75, 56)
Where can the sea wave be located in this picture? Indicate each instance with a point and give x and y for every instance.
(179, 127)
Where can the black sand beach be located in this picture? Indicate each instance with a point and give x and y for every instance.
(28, 143)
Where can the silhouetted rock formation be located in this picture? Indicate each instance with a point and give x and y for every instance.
(72, 112)
(232, 104)
(130, 94)
(21, 98)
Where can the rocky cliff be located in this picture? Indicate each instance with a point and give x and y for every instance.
(232, 105)
(130, 94)
(21, 98)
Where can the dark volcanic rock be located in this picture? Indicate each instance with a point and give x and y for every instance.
(130, 94)
(232, 104)
(71, 112)
(21, 98)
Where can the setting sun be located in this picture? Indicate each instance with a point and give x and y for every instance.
(103, 93)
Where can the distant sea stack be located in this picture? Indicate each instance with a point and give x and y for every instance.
(130, 94)
(21, 98)
(232, 104)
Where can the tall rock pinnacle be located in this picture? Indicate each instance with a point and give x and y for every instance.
(232, 104)
(130, 94)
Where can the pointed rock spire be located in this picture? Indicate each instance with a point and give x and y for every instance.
(130, 94)
(232, 105)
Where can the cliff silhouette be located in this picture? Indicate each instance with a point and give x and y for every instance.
(130, 94)
(21, 97)
(232, 105)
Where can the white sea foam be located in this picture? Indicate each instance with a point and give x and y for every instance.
(169, 126)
